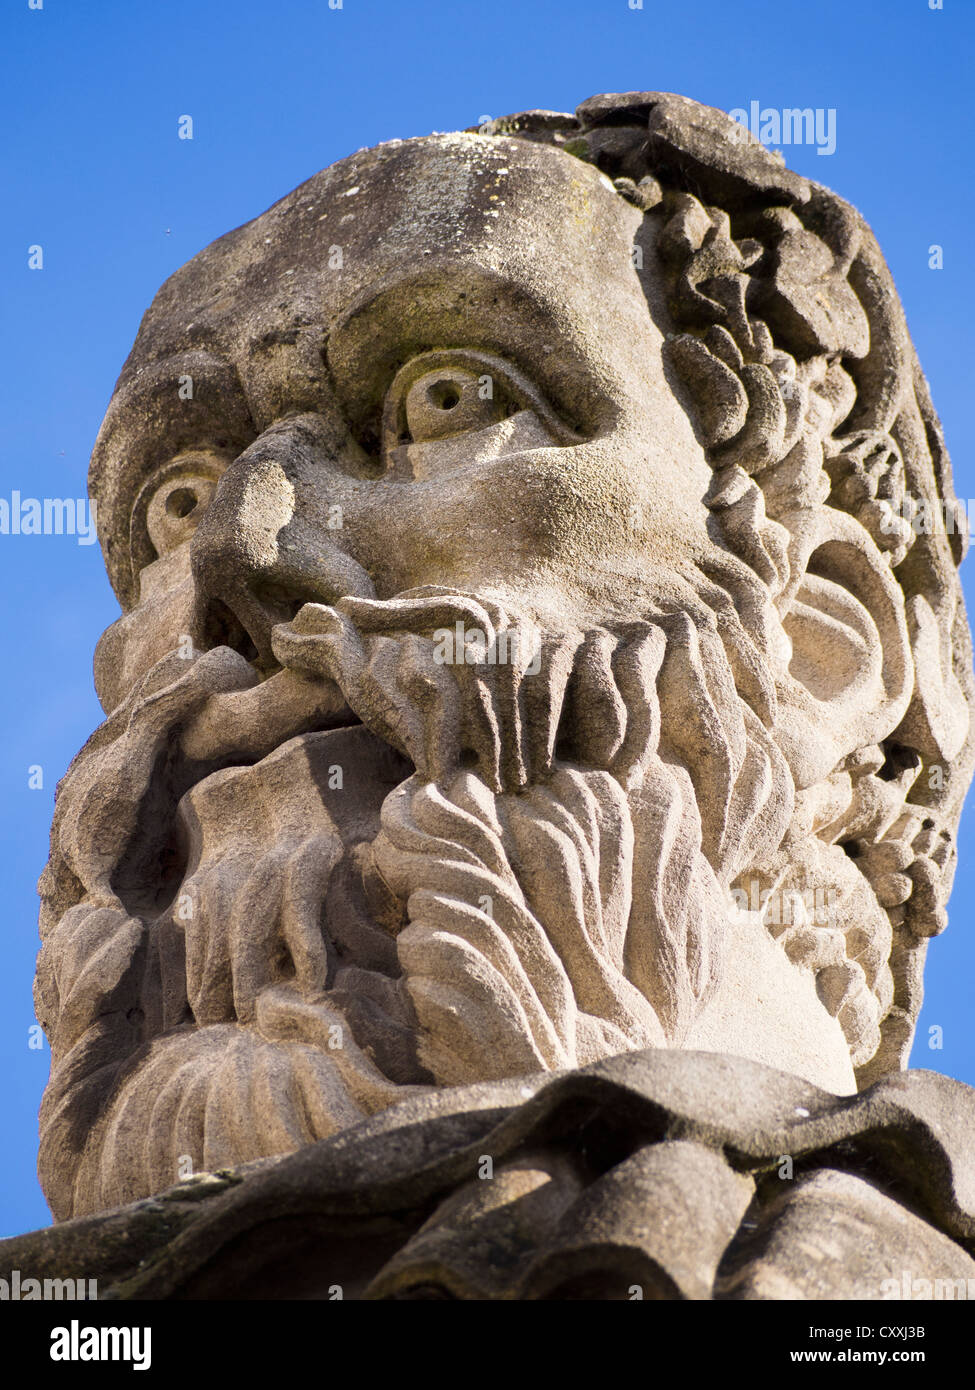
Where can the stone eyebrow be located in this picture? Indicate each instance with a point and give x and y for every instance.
(171, 384)
(181, 401)
(411, 312)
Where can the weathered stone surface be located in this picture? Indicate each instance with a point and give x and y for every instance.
(662, 1170)
(527, 663)
(698, 145)
(833, 1230)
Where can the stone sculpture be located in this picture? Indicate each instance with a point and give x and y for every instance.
(532, 676)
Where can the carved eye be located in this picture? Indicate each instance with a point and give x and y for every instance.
(443, 395)
(175, 498)
(445, 402)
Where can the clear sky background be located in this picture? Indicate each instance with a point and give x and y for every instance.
(91, 92)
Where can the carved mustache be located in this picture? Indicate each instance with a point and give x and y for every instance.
(498, 703)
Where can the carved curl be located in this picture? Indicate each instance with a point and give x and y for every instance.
(791, 343)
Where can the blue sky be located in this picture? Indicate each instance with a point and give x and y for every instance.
(94, 173)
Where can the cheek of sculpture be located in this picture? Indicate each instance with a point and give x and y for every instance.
(477, 514)
(163, 621)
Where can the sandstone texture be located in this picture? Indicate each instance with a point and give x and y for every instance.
(654, 1175)
(537, 727)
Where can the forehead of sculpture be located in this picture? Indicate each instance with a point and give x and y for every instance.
(526, 212)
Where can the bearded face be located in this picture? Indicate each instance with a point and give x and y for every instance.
(449, 735)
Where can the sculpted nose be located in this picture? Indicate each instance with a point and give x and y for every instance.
(264, 548)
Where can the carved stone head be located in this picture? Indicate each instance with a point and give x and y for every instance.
(529, 650)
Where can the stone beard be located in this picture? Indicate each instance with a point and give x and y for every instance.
(522, 641)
